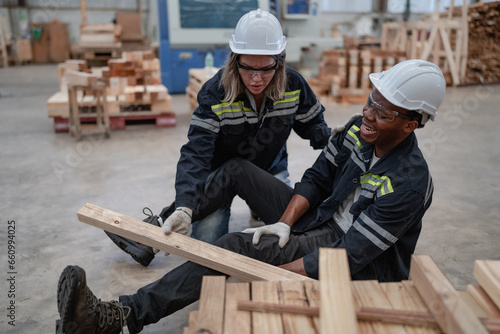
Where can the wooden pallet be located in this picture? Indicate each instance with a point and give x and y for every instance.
(426, 304)
(120, 122)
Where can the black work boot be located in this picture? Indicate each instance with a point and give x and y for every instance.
(139, 252)
(81, 312)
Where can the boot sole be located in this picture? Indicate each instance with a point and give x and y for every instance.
(71, 281)
(130, 247)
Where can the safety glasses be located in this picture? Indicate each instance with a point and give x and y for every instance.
(381, 112)
(250, 72)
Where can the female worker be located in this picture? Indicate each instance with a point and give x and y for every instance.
(247, 110)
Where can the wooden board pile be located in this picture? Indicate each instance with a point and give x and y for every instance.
(426, 304)
(344, 73)
(279, 301)
(483, 62)
(197, 77)
(134, 91)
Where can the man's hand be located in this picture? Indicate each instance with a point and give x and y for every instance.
(179, 221)
(281, 229)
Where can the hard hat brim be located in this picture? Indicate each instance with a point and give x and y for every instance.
(243, 51)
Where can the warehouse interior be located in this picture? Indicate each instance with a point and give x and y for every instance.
(53, 163)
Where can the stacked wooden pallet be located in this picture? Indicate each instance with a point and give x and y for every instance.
(483, 63)
(134, 91)
(426, 304)
(197, 77)
(344, 73)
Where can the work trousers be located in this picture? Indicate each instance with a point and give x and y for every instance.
(264, 194)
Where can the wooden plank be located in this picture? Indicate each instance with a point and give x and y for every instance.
(266, 323)
(230, 263)
(314, 299)
(293, 294)
(211, 305)
(482, 298)
(401, 299)
(192, 320)
(369, 294)
(487, 273)
(237, 321)
(337, 313)
(451, 312)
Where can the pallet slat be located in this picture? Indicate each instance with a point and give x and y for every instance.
(451, 312)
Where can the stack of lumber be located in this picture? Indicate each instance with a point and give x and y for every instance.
(134, 91)
(343, 74)
(279, 301)
(483, 62)
(334, 304)
(197, 77)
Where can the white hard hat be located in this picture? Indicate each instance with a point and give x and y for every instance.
(258, 33)
(413, 85)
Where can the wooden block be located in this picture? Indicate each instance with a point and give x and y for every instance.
(487, 273)
(452, 314)
(337, 313)
(79, 78)
(237, 321)
(230, 263)
(482, 298)
(293, 293)
(211, 305)
(266, 323)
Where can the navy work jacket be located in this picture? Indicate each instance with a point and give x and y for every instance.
(221, 131)
(387, 217)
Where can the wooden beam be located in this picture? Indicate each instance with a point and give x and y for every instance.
(487, 273)
(225, 261)
(83, 9)
(388, 316)
(337, 313)
(211, 309)
(451, 312)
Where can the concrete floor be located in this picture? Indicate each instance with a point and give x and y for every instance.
(46, 177)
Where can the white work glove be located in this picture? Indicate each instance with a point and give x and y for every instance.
(179, 221)
(282, 230)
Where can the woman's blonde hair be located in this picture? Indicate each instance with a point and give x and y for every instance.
(233, 86)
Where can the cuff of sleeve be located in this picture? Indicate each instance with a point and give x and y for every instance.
(311, 264)
(308, 192)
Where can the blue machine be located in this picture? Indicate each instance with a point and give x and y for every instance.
(191, 28)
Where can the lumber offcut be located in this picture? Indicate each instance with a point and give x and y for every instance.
(451, 312)
(225, 261)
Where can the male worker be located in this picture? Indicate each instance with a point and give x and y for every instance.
(247, 110)
(367, 193)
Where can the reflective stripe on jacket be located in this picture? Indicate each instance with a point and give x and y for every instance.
(395, 193)
(221, 131)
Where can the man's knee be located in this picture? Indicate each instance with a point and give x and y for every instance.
(233, 241)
